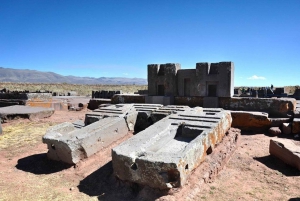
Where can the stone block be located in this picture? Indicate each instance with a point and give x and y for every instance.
(275, 131)
(189, 101)
(277, 122)
(165, 111)
(296, 126)
(68, 144)
(163, 100)
(144, 120)
(164, 155)
(286, 128)
(275, 107)
(96, 102)
(128, 98)
(285, 150)
(246, 120)
(210, 102)
(71, 143)
(126, 111)
(20, 111)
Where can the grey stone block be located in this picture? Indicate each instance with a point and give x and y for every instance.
(164, 155)
(71, 143)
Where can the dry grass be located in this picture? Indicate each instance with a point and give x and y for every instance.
(17, 139)
(83, 90)
(21, 135)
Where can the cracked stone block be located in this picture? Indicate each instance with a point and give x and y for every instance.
(68, 144)
(164, 155)
(72, 142)
(247, 120)
(285, 150)
(144, 120)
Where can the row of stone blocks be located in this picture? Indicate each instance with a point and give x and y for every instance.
(161, 156)
(104, 94)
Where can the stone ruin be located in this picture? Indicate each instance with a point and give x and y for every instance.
(209, 80)
(104, 94)
(72, 142)
(171, 140)
(163, 155)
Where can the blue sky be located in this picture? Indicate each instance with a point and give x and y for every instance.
(119, 38)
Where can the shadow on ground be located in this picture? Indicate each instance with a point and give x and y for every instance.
(276, 164)
(103, 184)
(294, 199)
(40, 164)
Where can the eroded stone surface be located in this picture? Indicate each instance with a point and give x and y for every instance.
(70, 143)
(144, 120)
(20, 111)
(246, 120)
(275, 131)
(275, 107)
(286, 150)
(165, 111)
(163, 155)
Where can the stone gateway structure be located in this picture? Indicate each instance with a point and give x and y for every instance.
(208, 79)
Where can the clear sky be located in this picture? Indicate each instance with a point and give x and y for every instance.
(108, 38)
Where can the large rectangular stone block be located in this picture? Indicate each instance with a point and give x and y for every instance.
(164, 155)
(71, 143)
(285, 150)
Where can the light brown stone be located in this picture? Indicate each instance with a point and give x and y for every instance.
(286, 151)
(275, 131)
(246, 120)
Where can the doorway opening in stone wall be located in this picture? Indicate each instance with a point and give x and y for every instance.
(160, 90)
(212, 90)
(187, 87)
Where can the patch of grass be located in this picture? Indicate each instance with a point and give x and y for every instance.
(21, 135)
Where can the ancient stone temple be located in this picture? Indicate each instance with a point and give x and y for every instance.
(165, 81)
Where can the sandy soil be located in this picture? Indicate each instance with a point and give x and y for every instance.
(27, 174)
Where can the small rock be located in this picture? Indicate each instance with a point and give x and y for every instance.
(72, 188)
(274, 131)
(286, 128)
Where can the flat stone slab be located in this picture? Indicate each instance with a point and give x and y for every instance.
(165, 111)
(72, 142)
(163, 155)
(247, 120)
(127, 111)
(285, 150)
(20, 111)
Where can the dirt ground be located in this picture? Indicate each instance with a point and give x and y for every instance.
(27, 174)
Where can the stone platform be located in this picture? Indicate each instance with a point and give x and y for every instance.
(20, 111)
(163, 155)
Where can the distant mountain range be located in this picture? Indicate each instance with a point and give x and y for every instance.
(33, 76)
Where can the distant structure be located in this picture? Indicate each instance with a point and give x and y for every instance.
(207, 80)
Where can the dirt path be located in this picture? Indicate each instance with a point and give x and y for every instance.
(26, 174)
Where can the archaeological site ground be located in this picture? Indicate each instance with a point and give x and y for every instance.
(191, 134)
